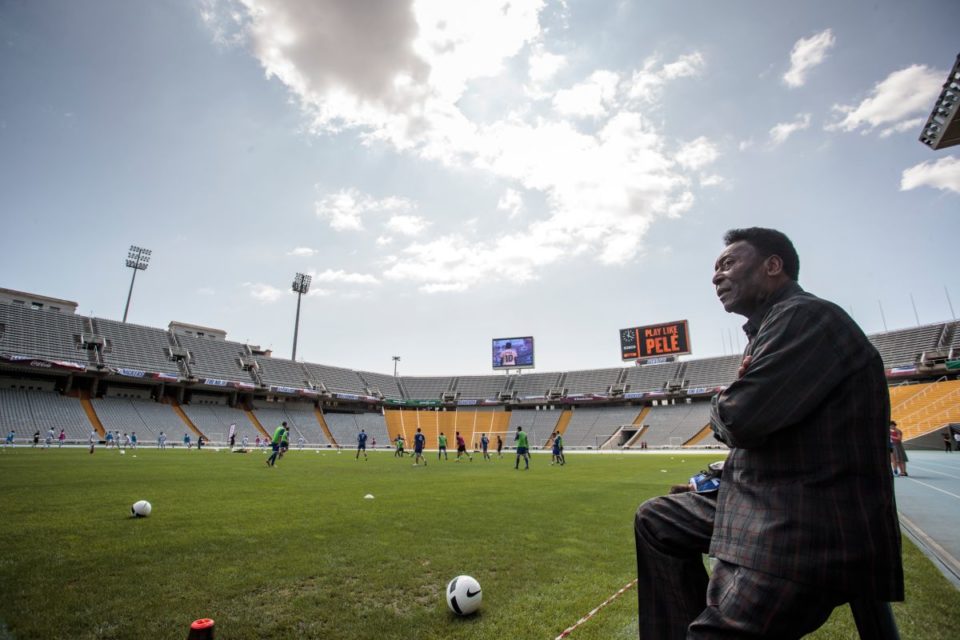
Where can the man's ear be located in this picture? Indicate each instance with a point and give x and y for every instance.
(774, 265)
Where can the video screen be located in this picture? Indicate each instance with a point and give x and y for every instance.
(513, 353)
(651, 341)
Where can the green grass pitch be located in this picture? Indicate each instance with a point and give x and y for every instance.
(296, 551)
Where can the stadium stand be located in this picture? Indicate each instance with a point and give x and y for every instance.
(928, 408)
(711, 372)
(902, 347)
(148, 419)
(534, 384)
(427, 388)
(385, 384)
(336, 379)
(346, 426)
(675, 423)
(651, 377)
(283, 373)
(592, 381)
(479, 387)
(217, 359)
(298, 416)
(591, 426)
(41, 333)
(539, 425)
(214, 421)
(132, 346)
(28, 411)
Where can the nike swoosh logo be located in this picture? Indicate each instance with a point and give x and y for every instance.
(470, 594)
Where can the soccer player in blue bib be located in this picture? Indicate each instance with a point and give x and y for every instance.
(419, 441)
(362, 444)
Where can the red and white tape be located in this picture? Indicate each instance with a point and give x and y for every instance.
(569, 630)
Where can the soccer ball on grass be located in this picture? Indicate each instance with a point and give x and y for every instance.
(463, 595)
(141, 509)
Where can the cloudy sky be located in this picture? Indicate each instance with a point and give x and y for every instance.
(453, 171)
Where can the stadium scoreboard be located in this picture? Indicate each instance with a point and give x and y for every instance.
(513, 353)
(655, 340)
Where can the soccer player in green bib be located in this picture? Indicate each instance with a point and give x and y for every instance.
(275, 444)
(523, 448)
(442, 446)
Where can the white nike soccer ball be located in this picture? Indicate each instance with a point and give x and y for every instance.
(463, 595)
(141, 509)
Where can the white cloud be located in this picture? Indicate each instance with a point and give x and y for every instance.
(407, 225)
(383, 241)
(263, 292)
(783, 130)
(512, 202)
(302, 252)
(544, 65)
(914, 124)
(340, 276)
(745, 144)
(592, 98)
(647, 84)
(398, 78)
(941, 174)
(712, 181)
(894, 102)
(345, 209)
(697, 154)
(807, 53)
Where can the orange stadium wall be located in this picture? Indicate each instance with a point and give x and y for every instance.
(470, 423)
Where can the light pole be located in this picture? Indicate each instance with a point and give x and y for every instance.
(396, 359)
(301, 284)
(138, 259)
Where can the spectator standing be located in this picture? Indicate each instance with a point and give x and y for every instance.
(898, 455)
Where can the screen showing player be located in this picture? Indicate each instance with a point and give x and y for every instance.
(513, 353)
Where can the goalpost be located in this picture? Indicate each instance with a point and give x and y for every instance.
(675, 442)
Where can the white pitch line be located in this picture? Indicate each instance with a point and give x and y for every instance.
(920, 466)
(935, 488)
(566, 632)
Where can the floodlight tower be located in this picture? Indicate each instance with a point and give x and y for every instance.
(301, 284)
(396, 359)
(138, 259)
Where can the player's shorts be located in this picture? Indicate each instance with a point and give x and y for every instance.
(556, 451)
(274, 447)
(362, 447)
(418, 450)
(462, 449)
(444, 448)
(521, 451)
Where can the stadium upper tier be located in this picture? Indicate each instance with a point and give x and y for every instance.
(99, 345)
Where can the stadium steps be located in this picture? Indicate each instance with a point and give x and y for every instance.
(256, 422)
(186, 420)
(561, 428)
(700, 435)
(638, 435)
(323, 425)
(562, 423)
(641, 416)
(91, 414)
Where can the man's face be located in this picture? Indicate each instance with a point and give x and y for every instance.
(739, 276)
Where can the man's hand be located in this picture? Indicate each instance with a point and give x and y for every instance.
(744, 366)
